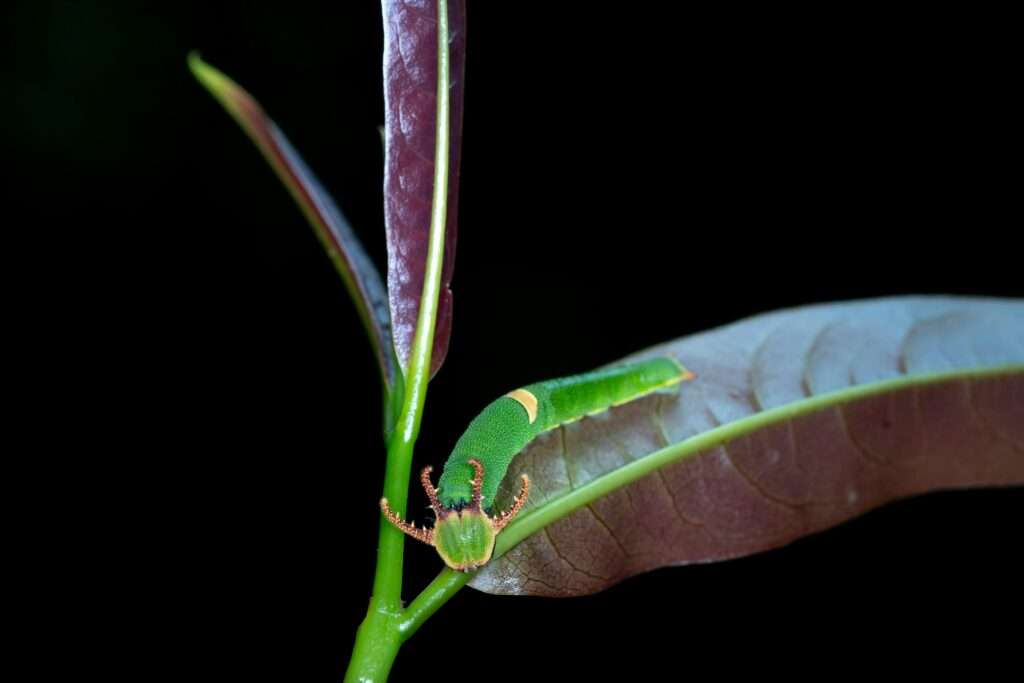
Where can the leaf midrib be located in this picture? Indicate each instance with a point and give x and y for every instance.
(562, 505)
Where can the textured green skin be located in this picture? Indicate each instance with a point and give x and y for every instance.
(503, 429)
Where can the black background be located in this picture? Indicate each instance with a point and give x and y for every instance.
(629, 176)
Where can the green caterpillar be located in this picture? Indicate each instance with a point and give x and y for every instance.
(464, 531)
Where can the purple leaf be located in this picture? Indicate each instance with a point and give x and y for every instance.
(410, 87)
(797, 421)
(356, 269)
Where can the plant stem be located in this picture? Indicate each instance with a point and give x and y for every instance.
(440, 590)
(380, 634)
(378, 637)
(377, 643)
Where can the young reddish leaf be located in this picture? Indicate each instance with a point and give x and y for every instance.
(410, 87)
(356, 269)
(797, 421)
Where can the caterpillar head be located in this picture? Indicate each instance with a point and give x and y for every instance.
(464, 538)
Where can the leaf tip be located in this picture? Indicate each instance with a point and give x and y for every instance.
(225, 90)
(194, 60)
(203, 72)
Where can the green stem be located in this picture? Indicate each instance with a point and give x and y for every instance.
(380, 634)
(377, 643)
(440, 591)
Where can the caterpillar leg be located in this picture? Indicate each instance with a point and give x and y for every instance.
(502, 520)
(425, 535)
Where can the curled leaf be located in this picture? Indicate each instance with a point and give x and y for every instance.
(798, 420)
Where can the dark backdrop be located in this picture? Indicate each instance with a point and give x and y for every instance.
(629, 176)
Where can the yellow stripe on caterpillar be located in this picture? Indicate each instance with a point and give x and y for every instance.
(526, 400)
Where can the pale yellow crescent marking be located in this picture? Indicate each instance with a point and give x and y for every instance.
(526, 400)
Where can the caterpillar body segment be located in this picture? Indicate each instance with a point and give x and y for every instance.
(465, 529)
(504, 427)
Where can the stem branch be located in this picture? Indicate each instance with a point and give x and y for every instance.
(440, 590)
